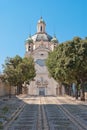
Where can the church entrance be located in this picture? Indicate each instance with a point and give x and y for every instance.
(42, 91)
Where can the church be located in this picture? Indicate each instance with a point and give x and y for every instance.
(38, 46)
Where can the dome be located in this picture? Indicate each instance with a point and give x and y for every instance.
(41, 20)
(41, 37)
(29, 40)
(54, 40)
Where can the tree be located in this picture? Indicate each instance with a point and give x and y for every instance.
(70, 63)
(18, 70)
(51, 63)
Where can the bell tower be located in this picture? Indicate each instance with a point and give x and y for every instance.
(41, 26)
(29, 45)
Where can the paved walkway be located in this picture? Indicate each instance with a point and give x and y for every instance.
(48, 113)
(8, 108)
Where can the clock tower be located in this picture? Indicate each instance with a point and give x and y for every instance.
(38, 46)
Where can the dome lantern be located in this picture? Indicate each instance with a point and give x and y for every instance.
(41, 26)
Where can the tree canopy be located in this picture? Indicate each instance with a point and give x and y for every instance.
(69, 61)
(18, 70)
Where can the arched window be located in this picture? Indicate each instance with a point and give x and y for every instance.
(29, 48)
(41, 28)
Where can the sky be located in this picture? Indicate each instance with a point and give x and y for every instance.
(18, 19)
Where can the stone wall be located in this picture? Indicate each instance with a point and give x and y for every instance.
(4, 89)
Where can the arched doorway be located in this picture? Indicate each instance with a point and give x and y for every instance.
(41, 91)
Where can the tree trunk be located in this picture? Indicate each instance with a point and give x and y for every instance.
(17, 90)
(77, 92)
(9, 91)
(20, 89)
(82, 93)
(70, 90)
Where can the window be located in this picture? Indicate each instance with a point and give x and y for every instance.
(42, 54)
(29, 48)
(41, 28)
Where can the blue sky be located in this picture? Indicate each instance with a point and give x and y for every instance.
(18, 18)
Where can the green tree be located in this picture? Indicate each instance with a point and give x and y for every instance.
(18, 70)
(70, 60)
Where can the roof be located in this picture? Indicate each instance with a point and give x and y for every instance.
(54, 40)
(29, 39)
(41, 36)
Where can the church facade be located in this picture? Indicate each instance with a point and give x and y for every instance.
(38, 46)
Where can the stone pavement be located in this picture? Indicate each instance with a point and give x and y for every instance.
(43, 113)
(8, 108)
